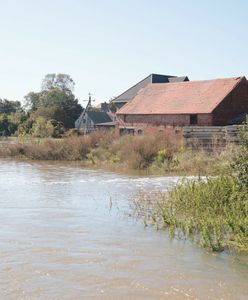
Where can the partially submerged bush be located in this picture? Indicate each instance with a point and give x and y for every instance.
(213, 212)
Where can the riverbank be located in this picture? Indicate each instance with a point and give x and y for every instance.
(152, 155)
(212, 211)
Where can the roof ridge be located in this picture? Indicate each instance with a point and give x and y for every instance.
(193, 81)
(150, 75)
(131, 87)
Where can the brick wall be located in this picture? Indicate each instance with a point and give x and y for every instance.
(233, 105)
(174, 120)
(147, 129)
(152, 124)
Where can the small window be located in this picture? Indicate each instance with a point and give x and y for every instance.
(122, 131)
(140, 132)
(193, 119)
(130, 131)
(125, 118)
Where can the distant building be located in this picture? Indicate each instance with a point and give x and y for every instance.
(172, 105)
(90, 121)
(130, 93)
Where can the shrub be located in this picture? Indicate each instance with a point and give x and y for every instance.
(240, 164)
(214, 212)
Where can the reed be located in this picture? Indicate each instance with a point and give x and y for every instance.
(213, 212)
(158, 154)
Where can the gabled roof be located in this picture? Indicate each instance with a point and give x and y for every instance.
(99, 117)
(189, 97)
(132, 91)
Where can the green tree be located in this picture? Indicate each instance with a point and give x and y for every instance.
(7, 127)
(55, 101)
(42, 128)
(64, 82)
(8, 107)
(32, 101)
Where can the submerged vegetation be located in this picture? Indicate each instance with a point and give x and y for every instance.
(212, 211)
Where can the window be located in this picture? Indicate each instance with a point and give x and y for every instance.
(123, 131)
(130, 131)
(125, 118)
(193, 119)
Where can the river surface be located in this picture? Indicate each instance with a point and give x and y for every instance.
(69, 233)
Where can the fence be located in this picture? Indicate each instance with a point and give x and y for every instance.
(211, 138)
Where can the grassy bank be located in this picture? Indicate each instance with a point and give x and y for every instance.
(211, 211)
(147, 154)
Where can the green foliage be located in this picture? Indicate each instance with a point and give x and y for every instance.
(214, 212)
(56, 100)
(32, 101)
(8, 107)
(162, 155)
(58, 81)
(7, 127)
(112, 107)
(240, 164)
(42, 128)
(25, 127)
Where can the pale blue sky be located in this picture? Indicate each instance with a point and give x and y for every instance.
(108, 45)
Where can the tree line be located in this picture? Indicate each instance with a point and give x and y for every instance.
(48, 113)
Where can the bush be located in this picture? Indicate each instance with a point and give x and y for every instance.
(214, 212)
(240, 164)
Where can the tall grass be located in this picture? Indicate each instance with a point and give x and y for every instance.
(213, 212)
(158, 154)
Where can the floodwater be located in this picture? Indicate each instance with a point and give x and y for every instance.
(68, 233)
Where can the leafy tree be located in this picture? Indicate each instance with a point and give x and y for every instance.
(6, 126)
(25, 127)
(61, 81)
(32, 101)
(8, 107)
(42, 128)
(112, 107)
(56, 100)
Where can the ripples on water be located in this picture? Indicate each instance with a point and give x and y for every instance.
(65, 234)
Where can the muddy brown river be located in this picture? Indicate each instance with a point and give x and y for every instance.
(69, 233)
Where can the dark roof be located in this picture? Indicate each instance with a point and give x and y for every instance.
(106, 124)
(99, 117)
(131, 92)
(178, 79)
(189, 97)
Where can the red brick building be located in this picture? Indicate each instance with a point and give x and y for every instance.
(170, 106)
